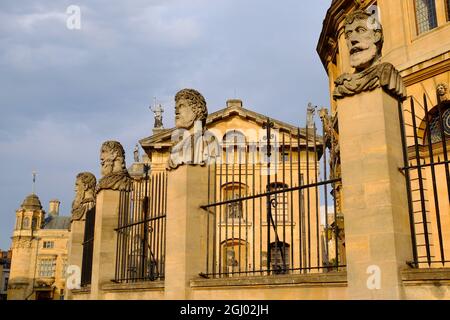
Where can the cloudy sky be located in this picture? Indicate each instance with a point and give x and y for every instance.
(63, 92)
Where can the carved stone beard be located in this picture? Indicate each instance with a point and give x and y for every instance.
(107, 167)
(119, 164)
(364, 59)
(81, 204)
(79, 209)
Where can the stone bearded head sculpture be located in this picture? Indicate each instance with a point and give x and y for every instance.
(114, 173)
(84, 195)
(364, 37)
(442, 92)
(190, 106)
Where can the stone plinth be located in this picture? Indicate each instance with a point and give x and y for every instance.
(75, 252)
(374, 195)
(105, 240)
(186, 229)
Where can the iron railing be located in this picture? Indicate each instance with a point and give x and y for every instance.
(88, 248)
(425, 133)
(276, 216)
(141, 231)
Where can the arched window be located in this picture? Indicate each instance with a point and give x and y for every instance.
(234, 143)
(279, 257)
(234, 256)
(230, 191)
(436, 126)
(26, 223)
(426, 17)
(279, 203)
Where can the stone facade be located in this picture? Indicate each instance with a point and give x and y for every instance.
(39, 252)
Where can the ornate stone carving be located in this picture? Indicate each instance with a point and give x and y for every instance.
(22, 243)
(365, 42)
(190, 106)
(331, 141)
(190, 113)
(442, 92)
(114, 173)
(84, 195)
(310, 112)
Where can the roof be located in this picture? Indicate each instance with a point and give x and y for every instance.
(56, 223)
(162, 138)
(32, 202)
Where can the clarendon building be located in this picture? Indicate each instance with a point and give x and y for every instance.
(354, 204)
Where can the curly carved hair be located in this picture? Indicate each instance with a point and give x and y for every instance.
(196, 101)
(113, 146)
(366, 16)
(444, 85)
(88, 179)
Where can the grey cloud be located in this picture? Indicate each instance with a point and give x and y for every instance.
(63, 92)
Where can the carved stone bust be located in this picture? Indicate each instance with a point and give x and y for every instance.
(442, 92)
(364, 36)
(190, 113)
(114, 173)
(190, 106)
(84, 195)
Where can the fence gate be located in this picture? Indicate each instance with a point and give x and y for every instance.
(425, 133)
(88, 248)
(141, 232)
(274, 204)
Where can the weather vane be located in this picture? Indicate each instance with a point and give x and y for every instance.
(34, 173)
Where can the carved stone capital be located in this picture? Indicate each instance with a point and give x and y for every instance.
(382, 75)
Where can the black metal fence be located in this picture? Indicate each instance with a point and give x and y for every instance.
(88, 248)
(141, 232)
(271, 209)
(425, 133)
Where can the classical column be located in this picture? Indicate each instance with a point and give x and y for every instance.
(377, 233)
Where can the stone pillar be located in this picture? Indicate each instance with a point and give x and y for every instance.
(75, 251)
(105, 240)
(186, 229)
(374, 194)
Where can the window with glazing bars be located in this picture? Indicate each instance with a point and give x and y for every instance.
(425, 15)
(47, 268)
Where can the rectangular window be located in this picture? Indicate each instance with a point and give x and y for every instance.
(6, 284)
(425, 15)
(47, 268)
(48, 245)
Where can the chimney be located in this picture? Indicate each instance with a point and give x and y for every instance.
(54, 207)
(234, 103)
